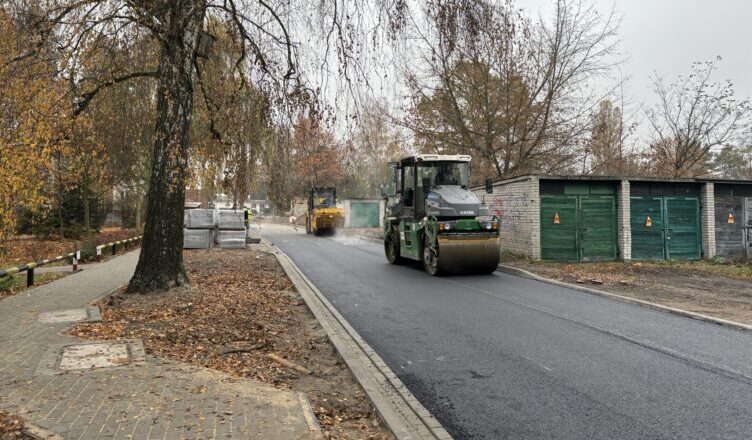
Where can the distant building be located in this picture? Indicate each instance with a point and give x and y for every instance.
(299, 206)
(258, 206)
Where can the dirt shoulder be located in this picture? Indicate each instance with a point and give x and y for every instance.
(243, 316)
(718, 290)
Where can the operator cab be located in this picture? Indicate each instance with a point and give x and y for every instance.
(431, 185)
(322, 197)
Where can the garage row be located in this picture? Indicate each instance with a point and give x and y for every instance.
(593, 218)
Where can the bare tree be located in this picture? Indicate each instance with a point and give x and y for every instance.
(268, 34)
(693, 117)
(511, 90)
(373, 143)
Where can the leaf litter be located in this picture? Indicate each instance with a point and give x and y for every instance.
(243, 316)
(12, 427)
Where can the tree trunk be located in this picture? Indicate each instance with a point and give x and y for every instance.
(85, 197)
(123, 207)
(138, 210)
(87, 215)
(61, 223)
(160, 265)
(60, 217)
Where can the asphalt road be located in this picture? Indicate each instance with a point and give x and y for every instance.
(504, 357)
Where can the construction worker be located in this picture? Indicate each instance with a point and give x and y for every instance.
(247, 217)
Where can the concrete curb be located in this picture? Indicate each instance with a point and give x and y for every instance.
(651, 305)
(400, 410)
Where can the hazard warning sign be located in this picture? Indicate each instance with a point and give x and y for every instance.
(648, 222)
(556, 218)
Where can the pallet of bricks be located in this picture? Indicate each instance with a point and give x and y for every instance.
(207, 228)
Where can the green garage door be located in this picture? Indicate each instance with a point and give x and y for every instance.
(364, 214)
(578, 228)
(665, 228)
(647, 228)
(683, 237)
(597, 228)
(559, 228)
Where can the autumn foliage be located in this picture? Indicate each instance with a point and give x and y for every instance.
(28, 126)
(318, 159)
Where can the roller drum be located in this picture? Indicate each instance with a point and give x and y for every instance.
(475, 254)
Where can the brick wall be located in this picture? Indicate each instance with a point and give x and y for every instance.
(517, 204)
(624, 225)
(707, 216)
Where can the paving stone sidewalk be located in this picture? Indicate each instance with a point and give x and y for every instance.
(65, 268)
(138, 398)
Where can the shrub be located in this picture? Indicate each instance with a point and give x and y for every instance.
(70, 207)
(74, 231)
(88, 250)
(6, 284)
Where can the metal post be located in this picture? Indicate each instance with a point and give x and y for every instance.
(114, 248)
(30, 277)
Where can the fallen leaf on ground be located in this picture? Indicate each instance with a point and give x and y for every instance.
(237, 316)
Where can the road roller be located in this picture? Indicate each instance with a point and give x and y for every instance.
(432, 217)
(323, 215)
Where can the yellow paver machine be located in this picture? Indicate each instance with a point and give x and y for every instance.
(323, 216)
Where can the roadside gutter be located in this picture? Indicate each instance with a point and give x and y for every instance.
(398, 408)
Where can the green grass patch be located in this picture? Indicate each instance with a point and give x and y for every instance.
(17, 283)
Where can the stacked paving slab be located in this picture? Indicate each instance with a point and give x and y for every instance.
(205, 228)
(231, 230)
(198, 228)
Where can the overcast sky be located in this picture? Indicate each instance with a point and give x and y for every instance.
(667, 36)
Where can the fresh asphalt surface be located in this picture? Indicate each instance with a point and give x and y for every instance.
(504, 357)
